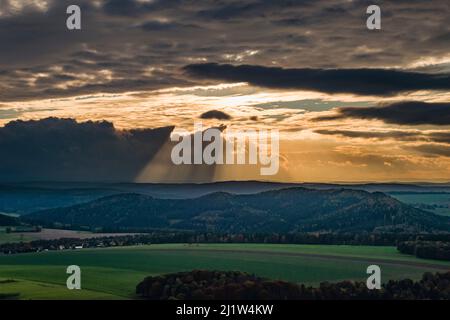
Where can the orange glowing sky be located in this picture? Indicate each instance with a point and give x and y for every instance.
(306, 154)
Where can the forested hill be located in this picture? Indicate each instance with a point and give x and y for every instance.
(287, 210)
(8, 221)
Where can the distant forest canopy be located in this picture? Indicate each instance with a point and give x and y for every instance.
(292, 210)
(7, 221)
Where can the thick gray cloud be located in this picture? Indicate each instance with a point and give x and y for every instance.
(404, 113)
(65, 150)
(215, 114)
(356, 81)
(40, 58)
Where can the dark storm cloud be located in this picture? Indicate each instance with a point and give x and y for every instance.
(126, 37)
(63, 149)
(33, 37)
(404, 113)
(123, 7)
(356, 81)
(215, 114)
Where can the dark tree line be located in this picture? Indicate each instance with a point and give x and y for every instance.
(439, 250)
(160, 237)
(235, 285)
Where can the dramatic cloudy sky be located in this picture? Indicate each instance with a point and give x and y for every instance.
(351, 104)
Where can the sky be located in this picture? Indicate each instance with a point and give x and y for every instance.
(99, 104)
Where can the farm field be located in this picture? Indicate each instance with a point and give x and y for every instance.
(14, 237)
(51, 234)
(113, 273)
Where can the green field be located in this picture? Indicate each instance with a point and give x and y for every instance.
(113, 273)
(13, 237)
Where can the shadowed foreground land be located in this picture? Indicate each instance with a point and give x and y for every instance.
(115, 272)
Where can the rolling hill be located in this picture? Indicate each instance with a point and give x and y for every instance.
(28, 197)
(286, 210)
